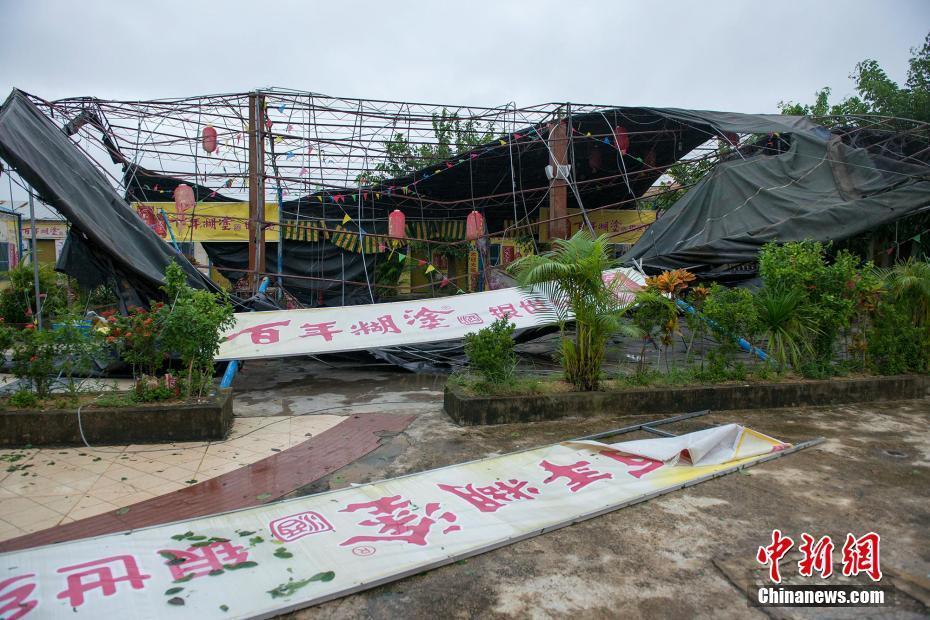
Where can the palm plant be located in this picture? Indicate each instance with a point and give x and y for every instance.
(787, 327)
(570, 277)
(909, 283)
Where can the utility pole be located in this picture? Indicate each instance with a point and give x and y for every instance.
(256, 225)
(558, 187)
(35, 257)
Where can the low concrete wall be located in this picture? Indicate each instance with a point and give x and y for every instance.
(474, 410)
(154, 423)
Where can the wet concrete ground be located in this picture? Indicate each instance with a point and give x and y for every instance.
(675, 556)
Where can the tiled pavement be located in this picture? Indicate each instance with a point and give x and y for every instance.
(43, 488)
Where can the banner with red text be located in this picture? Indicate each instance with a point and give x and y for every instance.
(260, 562)
(281, 333)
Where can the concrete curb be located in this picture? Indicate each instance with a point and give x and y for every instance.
(477, 410)
(153, 423)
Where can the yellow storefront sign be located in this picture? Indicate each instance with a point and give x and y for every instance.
(625, 226)
(205, 221)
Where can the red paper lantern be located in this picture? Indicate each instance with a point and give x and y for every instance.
(397, 224)
(209, 139)
(474, 226)
(623, 140)
(184, 199)
(732, 138)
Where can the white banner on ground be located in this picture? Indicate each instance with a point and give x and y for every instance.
(263, 561)
(281, 333)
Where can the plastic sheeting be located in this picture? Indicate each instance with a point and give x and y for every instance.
(119, 242)
(811, 185)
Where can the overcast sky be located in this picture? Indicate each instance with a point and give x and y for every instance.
(728, 55)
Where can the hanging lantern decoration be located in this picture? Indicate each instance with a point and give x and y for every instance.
(732, 138)
(623, 139)
(184, 199)
(474, 226)
(397, 224)
(209, 139)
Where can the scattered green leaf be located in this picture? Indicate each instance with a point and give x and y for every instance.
(282, 553)
(224, 608)
(171, 591)
(214, 573)
(122, 511)
(248, 564)
(187, 577)
(176, 601)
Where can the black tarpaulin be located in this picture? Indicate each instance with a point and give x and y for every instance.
(816, 187)
(67, 180)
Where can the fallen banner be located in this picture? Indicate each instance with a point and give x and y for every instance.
(282, 333)
(260, 562)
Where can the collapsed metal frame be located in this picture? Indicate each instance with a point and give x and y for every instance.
(310, 142)
(276, 143)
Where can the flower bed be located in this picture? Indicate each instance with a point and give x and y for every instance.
(196, 419)
(468, 409)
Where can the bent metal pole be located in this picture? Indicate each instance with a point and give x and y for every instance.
(35, 257)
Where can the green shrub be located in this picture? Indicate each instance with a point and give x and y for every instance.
(656, 317)
(76, 346)
(895, 344)
(24, 399)
(787, 326)
(827, 290)
(34, 358)
(192, 326)
(490, 352)
(17, 303)
(135, 336)
(732, 314)
(153, 389)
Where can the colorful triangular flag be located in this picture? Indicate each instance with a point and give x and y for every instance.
(346, 219)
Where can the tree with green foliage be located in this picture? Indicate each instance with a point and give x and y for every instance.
(571, 278)
(452, 135)
(877, 93)
(192, 325)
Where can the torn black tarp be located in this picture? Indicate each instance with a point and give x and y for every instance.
(113, 241)
(811, 185)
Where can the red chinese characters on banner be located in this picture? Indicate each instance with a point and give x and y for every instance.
(104, 575)
(504, 310)
(493, 496)
(644, 464)
(266, 333)
(817, 556)
(297, 526)
(425, 318)
(200, 561)
(862, 555)
(14, 597)
(381, 325)
(534, 306)
(771, 554)
(324, 330)
(579, 475)
(395, 522)
(470, 319)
